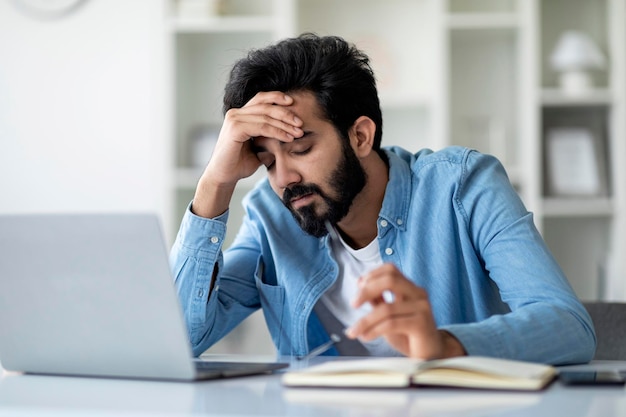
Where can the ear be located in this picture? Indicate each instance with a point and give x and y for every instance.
(362, 136)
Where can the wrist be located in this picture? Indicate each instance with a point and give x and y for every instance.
(451, 345)
(211, 199)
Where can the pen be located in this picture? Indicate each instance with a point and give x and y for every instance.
(331, 230)
(321, 348)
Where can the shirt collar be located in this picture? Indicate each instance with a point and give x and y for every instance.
(395, 209)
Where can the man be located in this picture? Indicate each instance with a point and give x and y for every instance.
(429, 255)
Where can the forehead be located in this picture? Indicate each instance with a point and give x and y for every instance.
(305, 105)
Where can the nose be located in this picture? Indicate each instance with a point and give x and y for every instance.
(285, 173)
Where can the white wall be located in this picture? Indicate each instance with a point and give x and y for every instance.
(81, 109)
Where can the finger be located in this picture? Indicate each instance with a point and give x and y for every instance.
(387, 328)
(370, 326)
(285, 129)
(275, 104)
(377, 286)
(270, 97)
(412, 323)
(402, 335)
(264, 120)
(273, 111)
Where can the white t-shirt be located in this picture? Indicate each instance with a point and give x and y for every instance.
(353, 264)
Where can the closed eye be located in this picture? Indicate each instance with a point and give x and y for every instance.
(302, 152)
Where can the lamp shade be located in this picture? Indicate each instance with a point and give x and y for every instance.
(576, 51)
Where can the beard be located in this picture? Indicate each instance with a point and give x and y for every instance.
(346, 182)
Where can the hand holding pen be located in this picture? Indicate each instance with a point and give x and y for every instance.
(407, 323)
(401, 313)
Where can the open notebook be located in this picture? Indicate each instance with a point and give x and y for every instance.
(92, 295)
(459, 372)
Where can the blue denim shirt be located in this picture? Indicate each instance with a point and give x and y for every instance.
(450, 221)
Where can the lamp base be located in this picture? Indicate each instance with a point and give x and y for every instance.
(575, 82)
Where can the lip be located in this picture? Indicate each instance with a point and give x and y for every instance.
(301, 201)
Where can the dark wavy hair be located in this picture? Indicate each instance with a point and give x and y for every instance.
(336, 72)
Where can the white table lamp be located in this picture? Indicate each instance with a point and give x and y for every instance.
(573, 57)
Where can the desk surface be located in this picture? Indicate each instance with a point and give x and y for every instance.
(264, 396)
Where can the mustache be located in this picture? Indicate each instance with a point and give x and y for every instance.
(298, 191)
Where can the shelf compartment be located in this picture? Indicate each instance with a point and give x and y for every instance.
(558, 16)
(567, 165)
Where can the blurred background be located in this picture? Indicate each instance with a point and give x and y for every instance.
(115, 105)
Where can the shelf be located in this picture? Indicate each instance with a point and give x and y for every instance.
(187, 178)
(553, 97)
(222, 24)
(483, 21)
(577, 207)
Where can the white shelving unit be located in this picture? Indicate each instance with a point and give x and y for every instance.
(503, 98)
(586, 234)
(466, 72)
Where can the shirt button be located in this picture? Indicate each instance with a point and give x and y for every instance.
(399, 222)
(383, 223)
(389, 251)
(215, 239)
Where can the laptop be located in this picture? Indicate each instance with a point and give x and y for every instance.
(92, 295)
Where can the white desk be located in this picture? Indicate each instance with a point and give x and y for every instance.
(32, 395)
